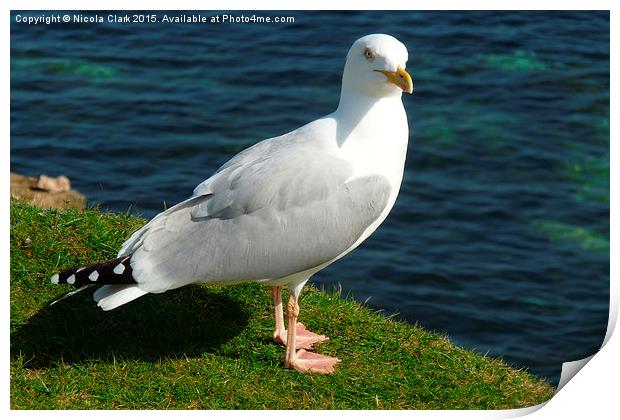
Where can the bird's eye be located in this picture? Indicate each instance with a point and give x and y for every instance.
(369, 54)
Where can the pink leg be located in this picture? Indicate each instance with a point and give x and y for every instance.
(279, 335)
(302, 360)
(305, 339)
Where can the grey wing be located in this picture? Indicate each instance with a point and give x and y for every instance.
(276, 216)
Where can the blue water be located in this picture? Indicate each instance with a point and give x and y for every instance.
(500, 235)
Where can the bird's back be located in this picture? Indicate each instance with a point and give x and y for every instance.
(283, 206)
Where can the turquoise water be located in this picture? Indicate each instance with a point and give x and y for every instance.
(500, 236)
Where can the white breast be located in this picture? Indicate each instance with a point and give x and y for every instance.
(375, 146)
(378, 146)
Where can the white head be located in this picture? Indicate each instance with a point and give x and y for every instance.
(375, 67)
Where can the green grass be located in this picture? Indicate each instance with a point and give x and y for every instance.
(211, 348)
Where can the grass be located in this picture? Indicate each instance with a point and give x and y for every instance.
(211, 348)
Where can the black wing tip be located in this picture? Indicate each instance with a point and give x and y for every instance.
(117, 271)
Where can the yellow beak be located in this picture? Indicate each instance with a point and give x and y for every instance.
(400, 78)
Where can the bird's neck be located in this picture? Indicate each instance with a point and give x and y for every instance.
(356, 105)
(360, 113)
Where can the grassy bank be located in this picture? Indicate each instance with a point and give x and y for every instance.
(211, 348)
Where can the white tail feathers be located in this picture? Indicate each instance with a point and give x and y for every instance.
(112, 296)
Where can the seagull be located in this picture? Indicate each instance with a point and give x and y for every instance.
(281, 210)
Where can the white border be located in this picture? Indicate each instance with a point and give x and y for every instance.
(592, 394)
(312, 5)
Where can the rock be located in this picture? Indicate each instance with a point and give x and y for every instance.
(46, 192)
(54, 185)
